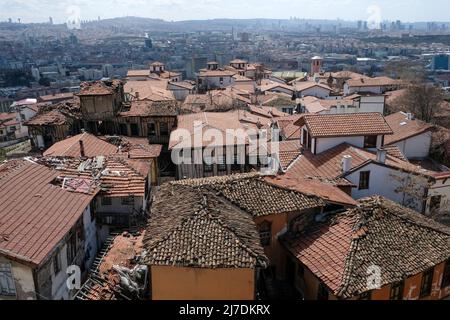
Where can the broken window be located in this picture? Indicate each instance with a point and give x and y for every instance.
(128, 201)
(322, 292)
(163, 129)
(106, 201)
(435, 204)
(397, 291)
(123, 129)
(7, 287)
(151, 127)
(427, 282)
(134, 130)
(446, 276)
(56, 263)
(265, 233)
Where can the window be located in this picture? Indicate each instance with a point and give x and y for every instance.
(435, 204)
(446, 275)
(151, 129)
(163, 129)
(71, 249)
(265, 233)
(322, 292)
(364, 180)
(56, 263)
(427, 282)
(288, 110)
(366, 296)
(7, 287)
(397, 291)
(134, 129)
(106, 201)
(128, 201)
(370, 142)
(123, 129)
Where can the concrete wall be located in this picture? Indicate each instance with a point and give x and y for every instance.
(174, 283)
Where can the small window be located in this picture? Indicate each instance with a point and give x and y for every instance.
(322, 292)
(300, 271)
(71, 249)
(163, 129)
(427, 282)
(370, 142)
(134, 130)
(128, 201)
(7, 286)
(446, 275)
(435, 204)
(265, 233)
(123, 129)
(56, 263)
(106, 201)
(366, 295)
(397, 291)
(364, 180)
(151, 129)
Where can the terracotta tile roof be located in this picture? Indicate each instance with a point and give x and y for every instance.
(395, 152)
(116, 176)
(70, 147)
(215, 100)
(8, 116)
(267, 112)
(320, 187)
(99, 88)
(372, 82)
(237, 119)
(58, 97)
(288, 129)
(404, 128)
(337, 125)
(315, 105)
(403, 243)
(216, 73)
(153, 90)
(255, 195)
(35, 214)
(149, 109)
(304, 85)
(192, 227)
(138, 73)
(268, 85)
(54, 117)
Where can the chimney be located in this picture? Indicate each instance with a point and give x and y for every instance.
(346, 163)
(410, 116)
(137, 95)
(82, 149)
(381, 156)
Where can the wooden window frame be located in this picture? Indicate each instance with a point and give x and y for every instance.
(364, 180)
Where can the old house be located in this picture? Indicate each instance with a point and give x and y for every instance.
(100, 103)
(124, 183)
(377, 251)
(322, 132)
(377, 85)
(224, 138)
(272, 206)
(45, 227)
(411, 136)
(54, 123)
(200, 247)
(308, 88)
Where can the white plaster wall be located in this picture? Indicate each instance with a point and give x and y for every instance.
(381, 183)
(324, 144)
(317, 92)
(417, 147)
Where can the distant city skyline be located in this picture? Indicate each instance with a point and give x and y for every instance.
(177, 10)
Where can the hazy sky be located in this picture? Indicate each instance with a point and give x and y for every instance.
(61, 10)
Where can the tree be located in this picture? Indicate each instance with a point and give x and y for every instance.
(423, 100)
(44, 82)
(406, 70)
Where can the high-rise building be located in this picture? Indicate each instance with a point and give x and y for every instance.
(440, 62)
